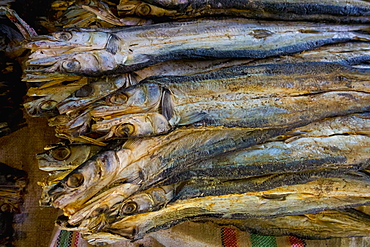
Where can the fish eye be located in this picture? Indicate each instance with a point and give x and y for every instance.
(64, 36)
(48, 105)
(143, 9)
(6, 207)
(85, 91)
(126, 129)
(60, 153)
(129, 208)
(117, 99)
(71, 66)
(75, 180)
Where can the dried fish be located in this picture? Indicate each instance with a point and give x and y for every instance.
(115, 204)
(96, 215)
(322, 225)
(138, 161)
(245, 96)
(312, 197)
(109, 51)
(326, 143)
(314, 10)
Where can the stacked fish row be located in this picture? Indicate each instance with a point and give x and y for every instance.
(242, 122)
(12, 185)
(12, 89)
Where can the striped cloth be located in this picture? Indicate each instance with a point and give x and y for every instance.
(230, 237)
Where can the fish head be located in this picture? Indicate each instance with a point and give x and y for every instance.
(79, 63)
(69, 39)
(138, 98)
(64, 157)
(42, 107)
(136, 204)
(87, 63)
(89, 93)
(104, 203)
(85, 181)
(134, 125)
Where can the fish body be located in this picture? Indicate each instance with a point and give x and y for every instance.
(112, 51)
(312, 197)
(338, 11)
(259, 96)
(326, 143)
(322, 225)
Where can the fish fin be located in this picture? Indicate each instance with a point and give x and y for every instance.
(112, 45)
(191, 118)
(167, 106)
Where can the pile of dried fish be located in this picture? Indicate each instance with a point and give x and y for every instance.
(12, 184)
(246, 122)
(12, 89)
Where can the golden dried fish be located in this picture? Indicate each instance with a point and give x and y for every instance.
(116, 206)
(110, 205)
(109, 51)
(245, 96)
(65, 157)
(326, 143)
(313, 10)
(312, 197)
(322, 225)
(139, 160)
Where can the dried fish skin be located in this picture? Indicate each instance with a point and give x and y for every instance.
(139, 160)
(322, 225)
(316, 196)
(132, 48)
(214, 187)
(272, 158)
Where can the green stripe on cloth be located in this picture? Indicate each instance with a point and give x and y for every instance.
(263, 241)
(64, 239)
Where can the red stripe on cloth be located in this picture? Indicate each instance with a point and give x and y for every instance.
(77, 239)
(229, 237)
(296, 242)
